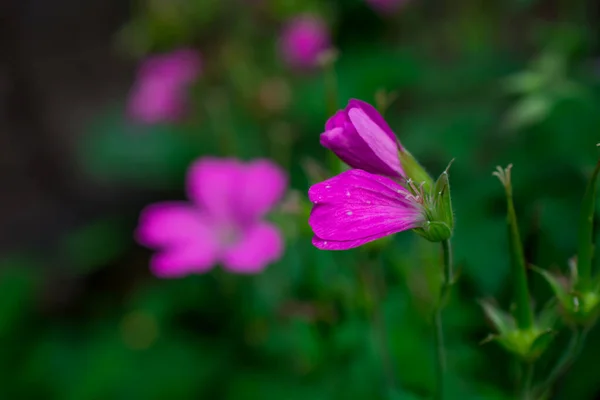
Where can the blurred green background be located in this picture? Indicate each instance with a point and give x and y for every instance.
(487, 83)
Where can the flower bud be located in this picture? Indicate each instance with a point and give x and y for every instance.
(438, 208)
(578, 308)
(361, 138)
(528, 344)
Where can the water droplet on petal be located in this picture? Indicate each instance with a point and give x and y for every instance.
(349, 213)
(348, 193)
(368, 201)
(328, 187)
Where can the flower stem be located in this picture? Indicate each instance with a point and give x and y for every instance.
(526, 379)
(564, 363)
(440, 354)
(586, 234)
(440, 349)
(523, 311)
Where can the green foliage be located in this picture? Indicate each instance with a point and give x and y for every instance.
(485, 87)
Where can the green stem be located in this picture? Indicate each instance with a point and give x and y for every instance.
(440, 348)
(526, 380)
(586, 233)
(440, 355)
(523, 311)
(565, 362)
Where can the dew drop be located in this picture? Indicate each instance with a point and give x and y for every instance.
(348, 193)
(328, 187)
(368, 201)
(349, 213)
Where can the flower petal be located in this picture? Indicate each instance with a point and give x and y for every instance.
(179, 261)
(260, 245)
(341, 245)
(357, 205)
(155, 100)
(236, 192)
(374, 115)
(213, 184)
(179, 66)
(263, 184)
(182, 235)
(361, 138)
(378, 140)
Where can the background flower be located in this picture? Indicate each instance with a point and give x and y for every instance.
(303, 39)
(159, 92)
(222, 224)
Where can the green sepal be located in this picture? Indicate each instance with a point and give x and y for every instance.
(561, 293)
(434, 231)
(540, 344)
(502, 321)
(527, 344)
(442, 199)
(414, 171)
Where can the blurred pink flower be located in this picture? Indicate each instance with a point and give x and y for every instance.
(303, 39)
(222, 223)
(386, 6)
(159, 92)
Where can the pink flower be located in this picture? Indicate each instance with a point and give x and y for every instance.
(303, 39)
(361, 138)
(386, 6)
(159, 92)
(222, 223)
(356, 207)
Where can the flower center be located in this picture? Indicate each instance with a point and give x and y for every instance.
(228, 235)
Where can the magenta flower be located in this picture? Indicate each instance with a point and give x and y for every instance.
(159, 92)
(386, 6)
(303, 40)
(361, 138)
(222, 223)
(356, 207)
